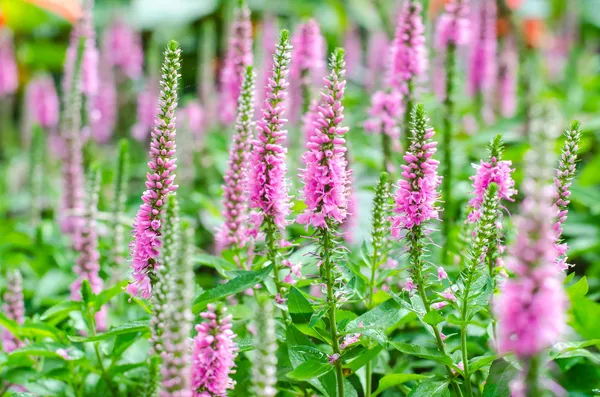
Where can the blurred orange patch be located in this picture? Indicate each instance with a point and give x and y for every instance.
(534, 30)
(68, 9)
(436, 7)
(514, 4)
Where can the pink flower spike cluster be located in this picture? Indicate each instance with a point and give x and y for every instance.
(159, 181)
(453, 28)
(325, 176)
(122, 48)
(417, 194)
(42, 102)
(147, 106)
(268, 170)
(89, 65)
(13, 308)
(234, 231)
(408, 52)
(562, 183)
(214, 353)
(104, 104)
(308, 64)
(9, 78)
(385, 112)
(508, 76)
(238, 57)
(493, 171)
(531, 306)
(482, 58)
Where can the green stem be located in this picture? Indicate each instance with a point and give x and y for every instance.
(369, 367)
(386, 146)
(329, 280)
(407, 115)
(531, 378)
(447, 143)
(109, 383)
(273, 256)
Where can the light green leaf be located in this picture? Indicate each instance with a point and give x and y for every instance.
(239, 284)
(61, 310)
(219, 264)
(392, 380)
(310, 369)
(383, 316)
(579, 289)
(430, 389)
(433, 318)
(107, 294)
(134, 326)
(422, 352)
(480, 362)
(47, 349)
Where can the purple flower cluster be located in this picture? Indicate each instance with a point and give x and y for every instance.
(42, 102)
(104, 104)
(377, 59)
(493, 171)
(417, 194)
(89, 66)
(325, 176)
(122, 46)
(308, 64)
(385, 112)
(482, 58)
(268, 170)
(9, 78)
(234, 232)
(507, 79)
(147, 105)
(531, 306)
(13, 308)
(408, 52)
(239, 56)
(159, 181)
(214, 352)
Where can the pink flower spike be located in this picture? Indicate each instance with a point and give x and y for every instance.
(439, 305)
(441, 274)
(9, 78)
(13, 308)
(238, 57)
(409, 286)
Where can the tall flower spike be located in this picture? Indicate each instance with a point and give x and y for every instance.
(416, 196)
(239, 56)
(562, 182)
(380, 227)
(176, 354)
(105, 107)
(507, 77)
(264, 370)
(159, 181)
(214, 353)
(308, 66)
(13, 308)
(452, 30)
(268, 186)
(120, 195)
(122, 47)
(325, 176)
(409, 55)
(42, 103)
(89, 65)
(162, 294)
(88, 262)
(9, 78)
(233, 233)
(531, 306)
(70, 129)
(482, 58)
(495, 170)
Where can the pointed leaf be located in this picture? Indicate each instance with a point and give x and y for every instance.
(392, 380)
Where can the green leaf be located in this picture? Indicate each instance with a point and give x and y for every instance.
(383, 316)
(422, 352)
(483, 288)
(585, 317)
(430, 389)
(497, 383)
(239, 284)
(363, 358)
(134, 326)
(47, 349)
(299, 307)
(480, 362)
(86, 292)
(433, 318)
(60, 310)
(107, 294)
(579, 289)
(245, 344)
(310, 369)
(392, 380)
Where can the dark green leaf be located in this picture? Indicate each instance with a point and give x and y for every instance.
(392, 380)
(239, 284)
(383, 316)
(107, 294)
(219, 264)
(134, 326)
(309, 370)
(430, 389)
(497, 383)
(480, 362)
(416, 350)
(299, 307)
